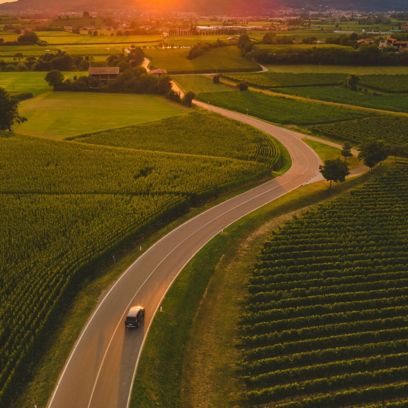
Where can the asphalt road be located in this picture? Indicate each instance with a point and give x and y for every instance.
(100, 370)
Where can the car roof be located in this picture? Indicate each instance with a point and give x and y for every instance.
(134, 310)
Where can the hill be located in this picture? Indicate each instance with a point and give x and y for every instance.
(204, 6)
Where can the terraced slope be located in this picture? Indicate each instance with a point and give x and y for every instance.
(326, 316)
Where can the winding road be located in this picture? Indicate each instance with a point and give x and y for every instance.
(100, 370)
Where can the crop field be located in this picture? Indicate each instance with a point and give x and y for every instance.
(233, 140)
(392, 102)
(62, 37)
(280, 79)
(33, 82)
(339, 69)
(194, 39)
(200, 84)
(279, 110)
(386, 83)
(64, 204)
(391, 129)
(221, 59)
(59, 115)
(288, 47)
(325, 322)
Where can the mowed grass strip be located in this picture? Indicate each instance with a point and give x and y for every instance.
(59, 115)
(196, 133)
(321, 286)
(222, 59)
(280, 110)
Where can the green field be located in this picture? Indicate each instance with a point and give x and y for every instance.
(200, 84)
(62, 37)
(20, 82)
(280, 79)
(324, 322)
(221, 59)
(338, 69)
(341, 94)
(67, 203)
(233, 139)
(393, 130)
(387, 83)
(279, 110)
(58, 115)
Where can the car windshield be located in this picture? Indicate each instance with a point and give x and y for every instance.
(131, 319)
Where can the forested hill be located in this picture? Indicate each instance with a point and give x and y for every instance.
(206, 6)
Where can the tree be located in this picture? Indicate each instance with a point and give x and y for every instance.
(346, 151)
(55, 78)
(28, 38)
(373, 153)
(216, 79)
(335, 170)
(352, 82)
(269, 38)
(243, 86)
(188, 99)
(8, 111)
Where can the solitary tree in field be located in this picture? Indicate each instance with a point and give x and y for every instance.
(373, 153)
(243, 86)
(188, 99)
(352, 82)
(335, 171)
(8, 111)
(216, 79)
(55, 78)
(346, 151)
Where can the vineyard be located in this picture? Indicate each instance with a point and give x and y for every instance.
(392, 129)
(279, 110)
(340, 94)
(234, 140)
(65, 204)
(275, 79)
(325, 321)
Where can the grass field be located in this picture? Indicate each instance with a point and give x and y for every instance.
(391, 102)
(390, 129)
(221, 59)
(200, 84)
(279, 110)
(62, 37)
(280, 79)
(20, 82)
(58, 115)
(67, 203)
(325, 318)
(233, 139)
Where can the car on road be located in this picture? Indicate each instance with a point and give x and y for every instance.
(135, 317)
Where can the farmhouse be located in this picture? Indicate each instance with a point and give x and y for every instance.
(394, 44)
(104, 74)
(158, 72)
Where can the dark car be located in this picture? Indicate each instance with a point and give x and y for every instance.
(135, 317)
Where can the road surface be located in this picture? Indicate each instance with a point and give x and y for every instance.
(100, 370)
